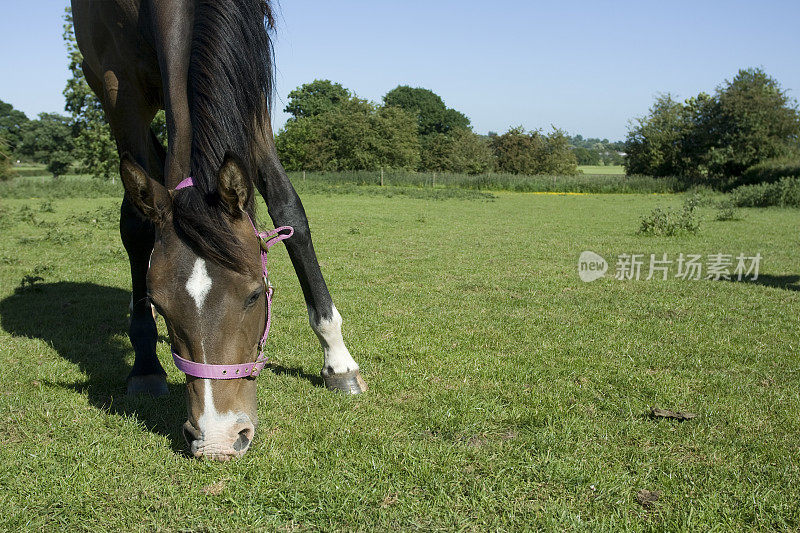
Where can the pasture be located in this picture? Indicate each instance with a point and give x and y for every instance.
(505, 393)
(613, 170)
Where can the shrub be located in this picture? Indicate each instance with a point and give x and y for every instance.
(770, 171)
(669, 222)
(5, 167)
(784, 193)
(532, 153)
(459, 151)
(59, 163)
(726, 210)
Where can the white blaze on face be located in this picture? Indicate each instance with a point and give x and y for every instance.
(329, 333)
(199, 283)
(213, 424)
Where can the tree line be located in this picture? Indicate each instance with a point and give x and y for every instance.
(332, 129)
(748, 131)
(600, 152)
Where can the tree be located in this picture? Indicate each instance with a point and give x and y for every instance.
(95, 148)
(655, 142)
(429, 108)
(48, 140)
(5, 160)
(586, 156)
(458, 151)
(159, 127)
(714, 139)
(12, 122)
(559, 159)
(355, 135)
(59, 163)
(754, 120)
(594, 151)
(315, 98)
(521, 152)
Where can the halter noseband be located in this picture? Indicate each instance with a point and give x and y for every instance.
(208, 371)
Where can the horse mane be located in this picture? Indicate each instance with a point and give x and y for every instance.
(230, 88)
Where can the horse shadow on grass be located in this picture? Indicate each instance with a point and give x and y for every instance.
(87, 324)
(789, 282)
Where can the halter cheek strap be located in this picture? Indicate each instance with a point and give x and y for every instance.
(208, 371)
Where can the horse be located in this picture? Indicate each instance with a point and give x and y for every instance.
(186, 219)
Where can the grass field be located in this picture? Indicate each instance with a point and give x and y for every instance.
(613, 170)
(504, 392)
(587, 183)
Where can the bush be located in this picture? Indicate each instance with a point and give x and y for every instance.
(59, 163)
(532, 153)
(668, 222)
(770, 171)
(784, 193)
(460, 151)
(5, 167)
(726, 210)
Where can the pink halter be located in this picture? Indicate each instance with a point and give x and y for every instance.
(208, 371)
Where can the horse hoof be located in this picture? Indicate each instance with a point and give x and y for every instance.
(347, 382)
(155, 385)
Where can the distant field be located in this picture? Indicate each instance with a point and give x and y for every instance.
(615, 170)
(505, 394)
(595, 182)
(586, 183)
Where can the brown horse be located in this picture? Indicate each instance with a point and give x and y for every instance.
(192, 252)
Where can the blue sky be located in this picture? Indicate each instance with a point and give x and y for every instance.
(584, 66)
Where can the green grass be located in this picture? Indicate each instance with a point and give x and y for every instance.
(67, 186)
(610, 170)
(505, 393)
(416, 184)
(587, 183)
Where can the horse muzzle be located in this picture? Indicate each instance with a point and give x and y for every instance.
(222, 441)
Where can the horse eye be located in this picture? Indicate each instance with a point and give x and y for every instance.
(253, 298)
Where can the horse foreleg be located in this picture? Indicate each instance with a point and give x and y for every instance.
(129, 116)
(147, 374)
(339, 371)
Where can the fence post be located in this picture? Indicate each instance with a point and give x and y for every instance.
(433, 184)
(304, 176)
(381, 176)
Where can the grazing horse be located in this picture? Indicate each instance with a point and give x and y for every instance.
(191, 244)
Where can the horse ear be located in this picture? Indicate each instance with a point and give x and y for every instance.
(232, 185)
(149, 196)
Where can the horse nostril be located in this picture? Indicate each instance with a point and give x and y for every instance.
(243, 441)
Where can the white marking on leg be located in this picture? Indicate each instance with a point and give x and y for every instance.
(329, 332)
(199, 283)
